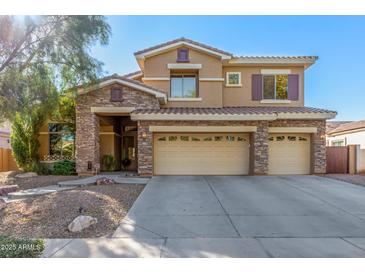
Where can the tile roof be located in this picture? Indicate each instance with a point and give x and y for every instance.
(233, 110)
(131, 74)
(279, 57)
(331, 125)
(349, 126)
(182, 39)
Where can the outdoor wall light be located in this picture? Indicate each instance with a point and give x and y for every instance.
(144, 135)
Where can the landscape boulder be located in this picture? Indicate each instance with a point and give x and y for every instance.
(104, 181)
(81, 222)
(4, 190)
(26, 175)
(2, 204)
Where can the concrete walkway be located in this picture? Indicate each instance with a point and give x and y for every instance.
(233, 216)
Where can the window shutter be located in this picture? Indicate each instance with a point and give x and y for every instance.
(116, 95)
(256, 87)
(293, 87)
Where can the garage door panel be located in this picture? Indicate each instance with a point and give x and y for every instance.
(202, 154)
(289, 154)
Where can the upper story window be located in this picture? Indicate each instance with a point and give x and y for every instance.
(183, 86)
(233, 79)
(275, 87)
(182, 55)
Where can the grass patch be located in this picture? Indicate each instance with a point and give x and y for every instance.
(11, 247)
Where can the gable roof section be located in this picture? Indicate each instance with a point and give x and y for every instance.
(116, 79)
(357, 125)
(182, 42)
(233, 113)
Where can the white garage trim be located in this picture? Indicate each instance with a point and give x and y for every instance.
(292, 130)
(204, 117)
(203, 128)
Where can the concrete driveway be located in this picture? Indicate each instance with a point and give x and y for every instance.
(243, 216)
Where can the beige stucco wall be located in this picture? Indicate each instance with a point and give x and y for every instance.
(210, 92)
(241, 96)
(213, 93)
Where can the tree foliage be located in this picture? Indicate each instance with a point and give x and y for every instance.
(40, 57)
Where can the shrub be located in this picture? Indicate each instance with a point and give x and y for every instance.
(108, 162)
(39, 168)
(20, 248)
(64, 167)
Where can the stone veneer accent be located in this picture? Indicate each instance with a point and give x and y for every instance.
(259, 142)
(88, 124)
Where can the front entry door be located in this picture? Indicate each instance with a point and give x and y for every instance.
(129, 149)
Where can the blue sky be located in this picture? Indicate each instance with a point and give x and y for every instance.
(335, 82)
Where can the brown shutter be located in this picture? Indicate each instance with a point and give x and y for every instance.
(256, 87)
(293, 87)
(116, 95)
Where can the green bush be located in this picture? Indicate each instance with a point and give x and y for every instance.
(109, 162)
(64, 167)
(39, 168)
(20, 248)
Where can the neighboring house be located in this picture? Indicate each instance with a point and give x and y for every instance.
(347, 133)
(193, 109)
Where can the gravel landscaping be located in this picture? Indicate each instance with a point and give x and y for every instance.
(358, 179)
(8, 178)
(48, 216)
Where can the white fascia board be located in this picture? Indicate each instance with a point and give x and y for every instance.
(269, 61)
(182, 43)
(307, 116)
(204, 117)
(293, 130)
(184, 66)
(203, 128)
(161, 96)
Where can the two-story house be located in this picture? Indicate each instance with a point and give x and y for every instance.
(197, 110)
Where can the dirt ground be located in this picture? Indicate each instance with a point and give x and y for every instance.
(357, 179)
(8, 178)
(48, 216)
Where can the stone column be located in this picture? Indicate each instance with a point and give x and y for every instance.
(260, 149)
(145, 150)
(319, 149)
(87, 141)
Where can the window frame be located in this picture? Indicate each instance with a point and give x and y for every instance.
(239, 79)
(263, 86)
(182, 75)
(61, 133)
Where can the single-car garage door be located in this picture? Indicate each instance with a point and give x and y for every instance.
(201, 154)
(289, 153)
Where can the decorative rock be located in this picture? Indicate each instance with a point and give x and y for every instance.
(4, 190)
(104, 181)
(26, 175)
(2, 204)
(81, 222)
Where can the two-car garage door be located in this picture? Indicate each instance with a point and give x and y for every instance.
(201, 154)
(227, 153)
